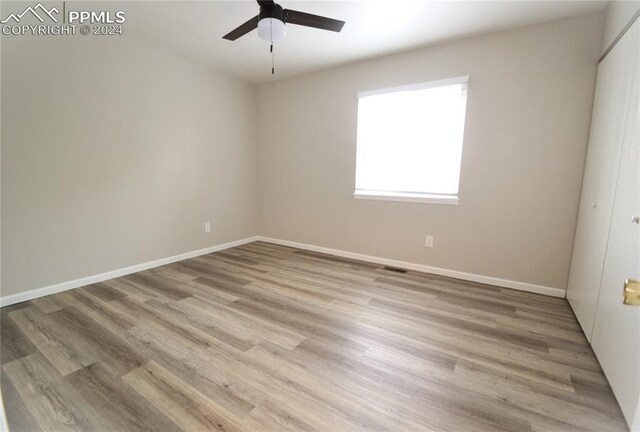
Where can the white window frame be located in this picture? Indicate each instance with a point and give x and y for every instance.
(410, 196)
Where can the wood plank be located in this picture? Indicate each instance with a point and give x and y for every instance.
(253, 328)
(50, 340)
(101, 312)
(54, 404)
(186, 406)
(159, 285)
(561, 407)
(88, 337)
(197, 368)
(17, 413)
(155, 319)
(15, 344)
(121, 407)
(104, 292)
(201, 321)
(48, 304)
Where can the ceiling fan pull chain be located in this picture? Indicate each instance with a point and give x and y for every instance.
(273, 70)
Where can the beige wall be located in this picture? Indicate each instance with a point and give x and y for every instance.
(115, 154)
(529, 105)
(617, 16)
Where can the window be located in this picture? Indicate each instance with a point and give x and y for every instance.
(410, 141)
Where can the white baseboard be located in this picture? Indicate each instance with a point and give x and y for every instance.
(64, 286)
(504, 283)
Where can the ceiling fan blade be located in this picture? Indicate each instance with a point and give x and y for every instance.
(309, 20)
(242, 30)
(266, 2)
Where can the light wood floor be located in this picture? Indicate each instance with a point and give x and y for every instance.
(263, 337)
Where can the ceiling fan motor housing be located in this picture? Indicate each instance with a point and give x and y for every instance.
(271, 11)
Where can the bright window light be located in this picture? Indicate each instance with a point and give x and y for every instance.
(410, 141)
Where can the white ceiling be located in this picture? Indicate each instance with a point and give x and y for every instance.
(194, 29)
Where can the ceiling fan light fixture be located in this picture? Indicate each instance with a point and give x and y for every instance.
(271, 29)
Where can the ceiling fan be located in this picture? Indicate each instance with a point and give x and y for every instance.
(272, 18)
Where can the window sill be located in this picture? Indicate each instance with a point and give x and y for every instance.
(407, 197)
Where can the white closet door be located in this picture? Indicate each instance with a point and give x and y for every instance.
(598, 187)
(616, 333)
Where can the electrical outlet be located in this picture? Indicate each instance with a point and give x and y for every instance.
(428, 241)
(207, 227)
